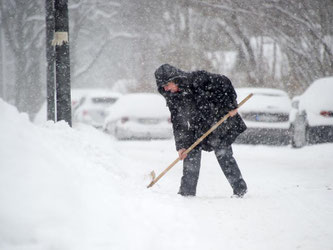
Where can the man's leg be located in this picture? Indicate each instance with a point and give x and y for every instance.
(191, 169)
(230, 169)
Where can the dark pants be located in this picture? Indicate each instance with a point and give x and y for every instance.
(228, 164)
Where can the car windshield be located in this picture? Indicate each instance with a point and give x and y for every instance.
(104, 100)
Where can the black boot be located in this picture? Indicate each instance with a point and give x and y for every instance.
(240, 188)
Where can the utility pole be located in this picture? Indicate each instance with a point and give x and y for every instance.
(50, 83)
(62, 61)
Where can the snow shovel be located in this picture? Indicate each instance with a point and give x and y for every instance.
(153, 175)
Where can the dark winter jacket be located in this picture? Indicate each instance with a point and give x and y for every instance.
(202, 100)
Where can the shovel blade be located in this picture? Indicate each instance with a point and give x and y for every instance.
(153, 175)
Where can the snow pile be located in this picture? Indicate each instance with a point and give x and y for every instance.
(64, 188)
(45, 181)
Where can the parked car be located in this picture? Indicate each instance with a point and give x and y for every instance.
(312, 114)
(139, 116)
(93, 107)
(77, 96)
(266, 115)
(76, 99)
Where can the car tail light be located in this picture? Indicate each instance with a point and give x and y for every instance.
(85, 112)
(326, 113)
(124, 119)
(169, 120)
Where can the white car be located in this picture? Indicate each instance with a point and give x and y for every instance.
(139, 116)
(76, 99)
(266, 115)
(93, 107)
(312, 114)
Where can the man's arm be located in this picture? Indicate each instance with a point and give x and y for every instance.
(230, 92)
(180, 128)
(225, 95)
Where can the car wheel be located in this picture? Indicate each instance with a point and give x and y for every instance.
(117, 135)
(300, 132)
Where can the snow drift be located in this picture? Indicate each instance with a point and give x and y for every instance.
(62, 188)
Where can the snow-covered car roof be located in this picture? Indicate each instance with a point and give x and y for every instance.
(87, 92)
(103, 94)
(318, 96)
(146, 105)
(264, 100)
(99, 98)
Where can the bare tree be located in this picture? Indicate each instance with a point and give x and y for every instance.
(92, 31)
(23, 24)
(305, 35)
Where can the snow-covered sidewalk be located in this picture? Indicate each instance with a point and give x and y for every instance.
(63, 188)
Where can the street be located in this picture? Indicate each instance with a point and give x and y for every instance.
(288, 205)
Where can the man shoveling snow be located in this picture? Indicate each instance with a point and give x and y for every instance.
(197, 100)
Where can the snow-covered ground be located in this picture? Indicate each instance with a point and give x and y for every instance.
(63, 188)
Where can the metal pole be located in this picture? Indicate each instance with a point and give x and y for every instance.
(62, 60)
(50, 83)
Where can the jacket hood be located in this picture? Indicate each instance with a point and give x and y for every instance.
(166, 73)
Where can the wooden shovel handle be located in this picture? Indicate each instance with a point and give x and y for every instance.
(197, 142)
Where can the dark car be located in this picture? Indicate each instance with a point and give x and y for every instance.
(266, 115)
